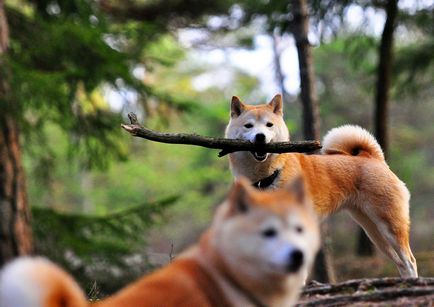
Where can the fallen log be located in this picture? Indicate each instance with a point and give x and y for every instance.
(371, 292)
(225, 145)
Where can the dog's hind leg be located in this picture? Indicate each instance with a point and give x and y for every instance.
(391, 239)
(397, 235)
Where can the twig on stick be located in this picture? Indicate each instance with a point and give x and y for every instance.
(226, 145)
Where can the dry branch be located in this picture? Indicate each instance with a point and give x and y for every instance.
(226, 145)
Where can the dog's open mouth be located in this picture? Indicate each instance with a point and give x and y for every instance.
(259, 155)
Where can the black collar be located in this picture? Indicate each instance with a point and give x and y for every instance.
(267, 181)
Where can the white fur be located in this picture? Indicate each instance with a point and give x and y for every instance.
(277, 133)
(346, 137)
(18, 286)
(260, 256)
(278, 252)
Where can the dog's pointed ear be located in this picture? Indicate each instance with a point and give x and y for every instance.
(237, 107)
(276, 104)
(298, 188)
(238, 196)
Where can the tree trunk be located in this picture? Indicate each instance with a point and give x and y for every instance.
(323, 268)
(4, 30)
(311, 121)
(385, 60)
(383, 77)
(364, 244)
(280, 77)
(15, 234)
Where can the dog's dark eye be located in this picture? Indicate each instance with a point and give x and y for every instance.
(269, 124)
(269, 233)
(248, 126)
(299, 229)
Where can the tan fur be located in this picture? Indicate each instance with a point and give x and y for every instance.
(351, 174)
(36, 282)
(232, 262)
(351, 140)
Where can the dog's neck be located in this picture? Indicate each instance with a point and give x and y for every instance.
(242, 163)
(240, 289)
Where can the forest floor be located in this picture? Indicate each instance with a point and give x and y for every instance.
(388, 291)
(349, 266)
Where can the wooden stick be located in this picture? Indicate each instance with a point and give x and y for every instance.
(226, 145)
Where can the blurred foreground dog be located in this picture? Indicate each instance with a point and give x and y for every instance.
(350, 174)
(256, 253)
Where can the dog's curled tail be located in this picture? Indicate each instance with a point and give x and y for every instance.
(351, 140)
(36, 282)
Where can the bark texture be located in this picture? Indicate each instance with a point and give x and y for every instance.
(15, 234)
(300, 30)
(370, 292)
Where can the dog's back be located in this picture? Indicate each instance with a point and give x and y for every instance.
(183, 283)
(36, 282)
(351, 169)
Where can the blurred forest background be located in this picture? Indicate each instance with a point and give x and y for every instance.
(109, 207)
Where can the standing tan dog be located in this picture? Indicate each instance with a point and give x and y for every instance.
(256, 253)
(350, 174)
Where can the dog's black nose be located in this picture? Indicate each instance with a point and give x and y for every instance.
(260, 138)
(295, 261)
